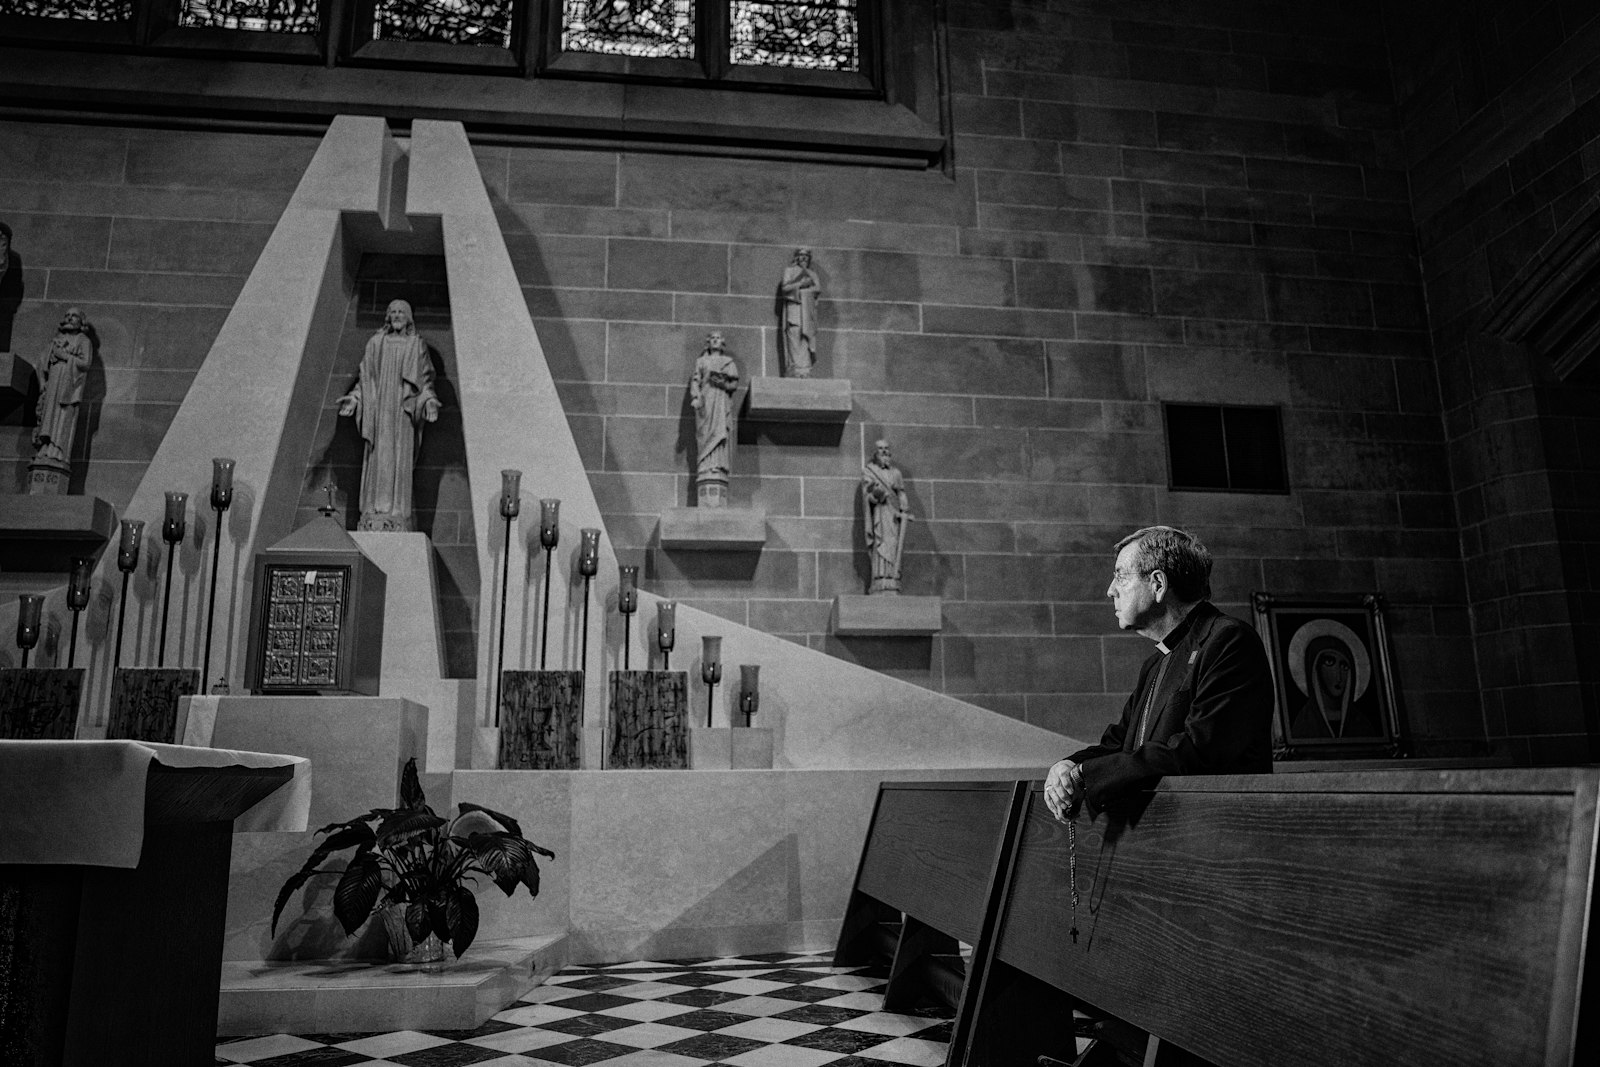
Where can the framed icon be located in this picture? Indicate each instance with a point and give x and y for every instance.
(1333, 677)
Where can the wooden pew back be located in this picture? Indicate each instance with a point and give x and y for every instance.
(1418, 918)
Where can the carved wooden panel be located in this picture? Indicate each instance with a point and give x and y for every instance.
(40, 703)
(648, 726)
(144, 702)
(304, 613)
(541, 720)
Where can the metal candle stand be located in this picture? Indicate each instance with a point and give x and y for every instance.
(710, 669)
(510, 508)
(132, 535)
(588, 566)
(30, 611)
(77, 600)
(666, 631)
(749, 690)
(627, 603)
(221, 499)
(172, 532)
(549, 536)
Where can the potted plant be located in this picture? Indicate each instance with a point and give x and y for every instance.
(418, 868)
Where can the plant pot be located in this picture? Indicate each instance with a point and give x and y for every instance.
(428, 953)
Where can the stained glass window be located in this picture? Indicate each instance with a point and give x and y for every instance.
(263, 16)
(649, 29)
(82, 10)
(479, 22)
(812, 34)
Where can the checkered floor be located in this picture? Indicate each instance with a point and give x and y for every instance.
(773, 1010)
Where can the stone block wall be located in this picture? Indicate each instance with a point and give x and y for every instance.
(1502, 129)
(151, 233)
(1181, 202)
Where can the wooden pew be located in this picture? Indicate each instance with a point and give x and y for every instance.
(927, 880)
(1382, 917)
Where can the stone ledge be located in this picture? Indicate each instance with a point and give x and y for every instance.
(887, 616)
(799, 400)
(43, 533)
(713, 529)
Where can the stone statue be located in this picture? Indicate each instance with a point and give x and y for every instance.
(886, 513)
(391, 400)
(797, 316)
(5, 252)
(61, 379)
(711, 389)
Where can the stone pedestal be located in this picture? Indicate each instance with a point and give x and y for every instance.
(799, 400)
(730, 748)
(40, 703)
(144, 702)
(887, 615)
(48, 477)
(357, 747)
(713, 529)
(646, 724)
(541, 721)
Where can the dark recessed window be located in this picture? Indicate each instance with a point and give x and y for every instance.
(1224, 448)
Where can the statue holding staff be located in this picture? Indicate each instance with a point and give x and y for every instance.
(391, 400)
(65, 370)
(887, 511)
(797, 316)
(711, 389)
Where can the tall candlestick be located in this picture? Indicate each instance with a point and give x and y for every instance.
(510, 508)
(549, 535)
(221, 498)
(77, 600)
(627, 603)
(588, 566)
(749, 690)
(666, 631)
(29, 611)
(132, 536)
(173, 528)
(710, 668)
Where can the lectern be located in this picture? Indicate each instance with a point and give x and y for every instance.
(111, 918)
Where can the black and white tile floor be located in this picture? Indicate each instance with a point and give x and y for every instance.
(770, 1010)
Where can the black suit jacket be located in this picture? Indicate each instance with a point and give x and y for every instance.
(1211, 715)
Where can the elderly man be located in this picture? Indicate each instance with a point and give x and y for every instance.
(1203, 704)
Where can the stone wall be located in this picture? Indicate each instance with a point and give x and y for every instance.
(1502, 126)
(1185, 202)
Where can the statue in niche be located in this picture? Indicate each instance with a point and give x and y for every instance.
(391, 400)
(797, 316)
(61, 381)
(711, 389)
(886, 511)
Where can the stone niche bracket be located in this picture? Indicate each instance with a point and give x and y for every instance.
(44, 533)
(824, 400)
(855, 614)
(1553, 304)
(713, 529)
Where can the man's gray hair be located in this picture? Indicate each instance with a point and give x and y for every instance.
(1177, 554)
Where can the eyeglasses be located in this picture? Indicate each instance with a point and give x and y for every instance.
(1122, 577)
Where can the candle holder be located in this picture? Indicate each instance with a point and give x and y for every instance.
(627, 603)
(588, 566)
(549, 535)
(710, 668)
(749, 690)
(77, 600)
(30, 610)
(510, 508)
(221, 499)
(128, 542)
(173, 527)
(666, 631)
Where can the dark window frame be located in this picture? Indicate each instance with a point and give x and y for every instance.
(1222, 410)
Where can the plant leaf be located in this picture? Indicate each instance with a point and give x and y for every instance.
(355, 832)
(439, 917)
(417, 921)
(400, 825)
(505, 821)
(462, 909)
(357, 892)
(411, 786)
(508, 860)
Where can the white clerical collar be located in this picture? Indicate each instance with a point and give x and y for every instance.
(1162, 645)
